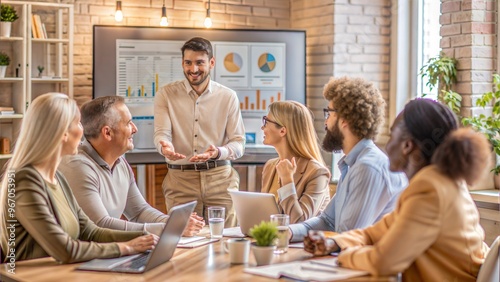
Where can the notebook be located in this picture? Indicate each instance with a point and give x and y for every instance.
(162, 253)
(309, 270)
(252, 208)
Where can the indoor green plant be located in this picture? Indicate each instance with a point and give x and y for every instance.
(7, 15)
(4, 62)
(265, 235)
(441, 72)
(489, 125)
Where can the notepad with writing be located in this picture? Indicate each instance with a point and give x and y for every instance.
(311, 270)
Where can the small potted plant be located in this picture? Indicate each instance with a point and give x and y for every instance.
(4, 62)
(265, 235)
(7, 15)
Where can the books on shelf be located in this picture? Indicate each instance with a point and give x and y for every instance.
(7, 111)
(309, 270)
(37, 27)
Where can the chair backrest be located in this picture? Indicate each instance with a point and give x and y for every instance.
(490, 270)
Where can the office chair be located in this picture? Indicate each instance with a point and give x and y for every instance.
(490, 270)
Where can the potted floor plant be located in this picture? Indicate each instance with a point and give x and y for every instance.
(265, 235)
(7, 15)
(4, 62)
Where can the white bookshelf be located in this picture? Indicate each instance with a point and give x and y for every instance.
(22, 83)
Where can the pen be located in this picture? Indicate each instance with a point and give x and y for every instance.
(312, 268)
(319, 262)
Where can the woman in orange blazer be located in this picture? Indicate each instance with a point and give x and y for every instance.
(298, 177)
(434, 233)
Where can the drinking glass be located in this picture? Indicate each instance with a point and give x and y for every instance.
(216, 216)
(281, 221)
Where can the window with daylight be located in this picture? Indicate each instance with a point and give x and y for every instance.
(428, 41)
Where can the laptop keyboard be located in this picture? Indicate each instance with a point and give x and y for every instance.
(139, 262)
(135, 264)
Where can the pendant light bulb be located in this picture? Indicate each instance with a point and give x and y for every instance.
(164, 19)
(208, 20)
(118, 13)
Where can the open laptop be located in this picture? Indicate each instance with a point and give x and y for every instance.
(252, 208)
(162, 252)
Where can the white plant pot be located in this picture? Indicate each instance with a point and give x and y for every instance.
(3, 69)
(5, 28)
(263, 255)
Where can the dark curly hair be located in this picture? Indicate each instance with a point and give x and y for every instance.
(358, 102)
(465, 154)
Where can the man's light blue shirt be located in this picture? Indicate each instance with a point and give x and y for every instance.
(366, 191)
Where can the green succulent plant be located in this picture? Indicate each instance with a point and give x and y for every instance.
(264, 234)
(7, 13)
(4, 59)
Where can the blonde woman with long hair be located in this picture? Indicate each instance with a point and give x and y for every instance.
(43, 217)
(298, 177)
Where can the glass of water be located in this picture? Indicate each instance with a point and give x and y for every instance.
(216, 217)
(282, 221)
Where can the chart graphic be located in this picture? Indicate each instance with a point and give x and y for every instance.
(267, 62)
(233, 62)
(145, 65)
(268, 65)
(258, 100)
(231, 67)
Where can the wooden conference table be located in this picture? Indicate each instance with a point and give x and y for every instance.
(205, 263)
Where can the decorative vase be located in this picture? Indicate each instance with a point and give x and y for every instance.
(5, 28)
(3, 69)
(263, 255)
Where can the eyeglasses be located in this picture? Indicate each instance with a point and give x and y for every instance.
(326, 112)
(265, 120)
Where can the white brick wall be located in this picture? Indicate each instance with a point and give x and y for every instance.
(469, 35)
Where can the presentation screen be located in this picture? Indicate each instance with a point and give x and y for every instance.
(262, 66)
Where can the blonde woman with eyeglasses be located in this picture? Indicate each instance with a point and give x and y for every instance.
(298, 177)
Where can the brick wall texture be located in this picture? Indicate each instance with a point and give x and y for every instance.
(468, 30)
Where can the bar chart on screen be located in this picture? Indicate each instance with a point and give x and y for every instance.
(258, 100)
(144, 66)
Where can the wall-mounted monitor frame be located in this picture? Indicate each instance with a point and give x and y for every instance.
(104, 51)
(104, 80)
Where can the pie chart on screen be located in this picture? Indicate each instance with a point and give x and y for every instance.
(267, 62)
(233, 62)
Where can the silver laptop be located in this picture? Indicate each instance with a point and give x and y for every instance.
(162, 253)
(252, 208)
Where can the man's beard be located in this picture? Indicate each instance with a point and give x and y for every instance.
(199, 82)
(332, 142)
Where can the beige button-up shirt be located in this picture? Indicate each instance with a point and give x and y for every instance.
(191, 123)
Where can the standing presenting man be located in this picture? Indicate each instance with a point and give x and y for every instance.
(199, 129)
